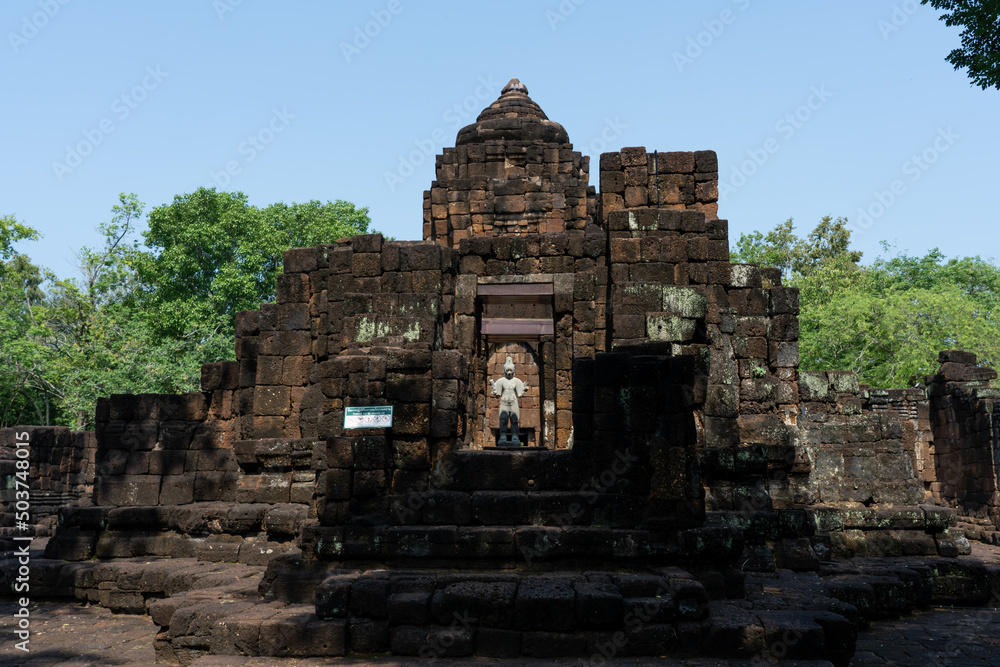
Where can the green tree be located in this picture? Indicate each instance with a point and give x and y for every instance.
(26, 395)
(100, 334)
(211, 254)
(11, 231)
(977, 278)
(886, 321)
(142, 318)
(776, 248)
(980, 51)
(783, 249)
(830, 240)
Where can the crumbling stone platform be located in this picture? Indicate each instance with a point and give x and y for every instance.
(222, 609)
(70, 633)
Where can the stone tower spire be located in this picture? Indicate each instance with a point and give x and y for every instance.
(513, 171)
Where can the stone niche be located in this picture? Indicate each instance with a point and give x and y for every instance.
(517, 320)
(528, 369)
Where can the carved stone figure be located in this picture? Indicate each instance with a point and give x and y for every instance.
(509, 389)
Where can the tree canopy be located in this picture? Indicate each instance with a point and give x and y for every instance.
(782, 249)
(886, 321)
(211, 254)
(22, 382)
(143, 316)
(980, 50)
(11, 231)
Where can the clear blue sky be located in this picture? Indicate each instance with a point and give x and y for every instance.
(834, 100)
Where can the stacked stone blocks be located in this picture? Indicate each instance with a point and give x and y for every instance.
(966, 421)
(59, 473)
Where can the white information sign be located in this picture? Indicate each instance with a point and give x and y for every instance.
(374, 416)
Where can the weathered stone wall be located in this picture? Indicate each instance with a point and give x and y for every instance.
(965, 413)
(912, 407)
(831, 478)
(250, 533)
(59, 473)
(671, 282)
(662, 230)
(659, 274)
(169, 482)
(752, 391)
(646, 403)
(859, 456)
(630, 476)
(161, 448)
(633, 178)
(482, 190)
(354, 298)
(359, 294)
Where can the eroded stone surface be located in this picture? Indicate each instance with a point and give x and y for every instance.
(69, 635)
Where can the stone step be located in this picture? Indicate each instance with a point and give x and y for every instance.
(127, 586)
(192, 518)
(245, 533)
(440, 615)
(213, 608)
(777, 635)
(498, 616)
(384, 661)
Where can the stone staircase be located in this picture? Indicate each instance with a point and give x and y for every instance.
(211, 608)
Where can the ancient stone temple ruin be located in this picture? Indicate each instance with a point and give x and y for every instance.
(681, 486)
